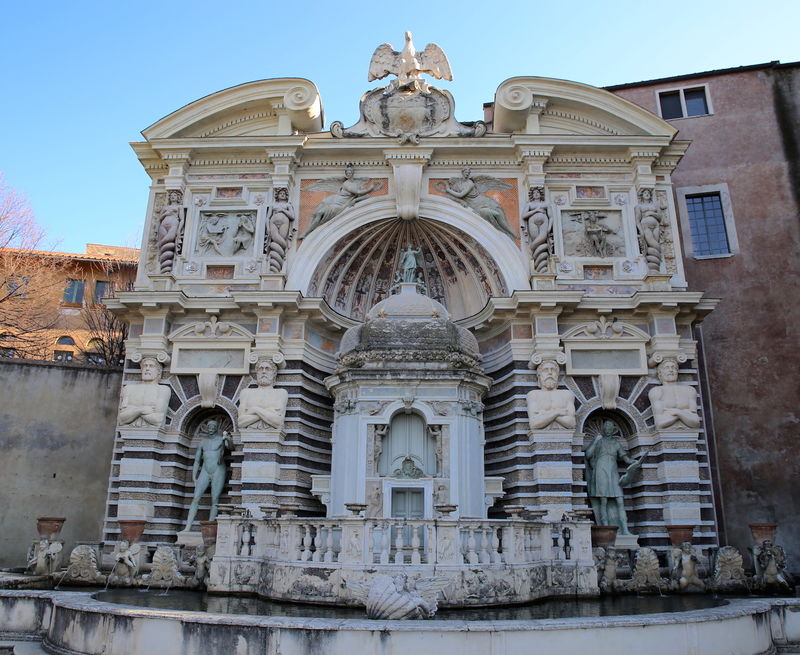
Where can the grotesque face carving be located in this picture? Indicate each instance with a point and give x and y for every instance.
(151, 370)
(548, 375)
(667, 371)
(266, 372)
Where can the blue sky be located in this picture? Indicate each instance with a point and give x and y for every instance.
(83, 78)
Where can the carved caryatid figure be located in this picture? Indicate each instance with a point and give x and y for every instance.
(470, 190)
(674, 405)
(536, 216)
(264, 407)
(209, 468)
(280, 217)
(145, 403)
(348, 191)
(548, 407)
(603, 482)
(408, 65)
(170, 226)
(649, 222)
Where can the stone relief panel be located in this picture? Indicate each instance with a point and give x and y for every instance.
(593, 233)
(224, 233)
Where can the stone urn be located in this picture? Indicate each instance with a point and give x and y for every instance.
(49, 527)
(131, 529)
(763, 531)
(208, 529)
(445, 510)
(680, 534)
(604, 536)
(355, 508)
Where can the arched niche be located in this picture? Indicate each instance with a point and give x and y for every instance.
(358, 269)
(594, 420)
(408, 438)
(199, 416)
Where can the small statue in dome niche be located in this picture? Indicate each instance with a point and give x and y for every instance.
(603, 482)
(410, 261)
(348, 191)
(470, 191)
(536, 216)
(280, 217)
(674, 405)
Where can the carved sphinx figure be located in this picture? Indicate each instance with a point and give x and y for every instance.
(145, 403)
(470, 191)
(170, 226)
(649, 222)
(280, 217)
(209, 468)
(548, 407)
(674, 405)
(536, 216)
(264, 407)
(348, 190)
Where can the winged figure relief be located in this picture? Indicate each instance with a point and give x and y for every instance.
(408, 65)
(398, 598)
(347, 191)
(469, 190)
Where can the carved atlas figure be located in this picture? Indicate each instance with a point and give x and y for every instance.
(408, 65)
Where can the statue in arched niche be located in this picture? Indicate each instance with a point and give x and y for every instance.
(209, 468)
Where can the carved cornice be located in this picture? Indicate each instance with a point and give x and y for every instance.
(238, 121)
(555, 113)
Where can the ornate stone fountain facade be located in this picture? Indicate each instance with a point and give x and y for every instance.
(336, 334)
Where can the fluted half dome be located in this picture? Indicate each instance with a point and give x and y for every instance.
(358, 271)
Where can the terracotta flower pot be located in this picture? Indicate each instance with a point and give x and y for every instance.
(48, 527)
(763, 531)
(131, 529)
(604, 536)
(679, 534)
(208, 529)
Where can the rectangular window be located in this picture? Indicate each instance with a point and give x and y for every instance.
(73, 294)
(101, 290)
(683, 103)
(62, 355)
(707, 225)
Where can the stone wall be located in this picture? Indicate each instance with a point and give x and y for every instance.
(56, 435)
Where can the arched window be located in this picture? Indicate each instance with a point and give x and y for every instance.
(95, 344)
(65, 341)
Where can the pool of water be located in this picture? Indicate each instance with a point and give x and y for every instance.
(192, 601)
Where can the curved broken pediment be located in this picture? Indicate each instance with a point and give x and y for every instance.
(538, 105)
(262, 108)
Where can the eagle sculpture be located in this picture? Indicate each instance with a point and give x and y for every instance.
(408, 65)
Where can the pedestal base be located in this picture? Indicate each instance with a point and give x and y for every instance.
(626, 542)
(192, 539)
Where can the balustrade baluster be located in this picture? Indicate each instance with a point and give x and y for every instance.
(483, 555)
(495, 545)
(329, 543)
(369, 556)
(307, 540)
(318, 544)
(386, 541)
(399, 556)
(472, 556)
(416, 558)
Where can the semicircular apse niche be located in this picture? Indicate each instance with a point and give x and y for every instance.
(359, 270)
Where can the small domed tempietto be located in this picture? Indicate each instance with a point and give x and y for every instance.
(408, 108)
